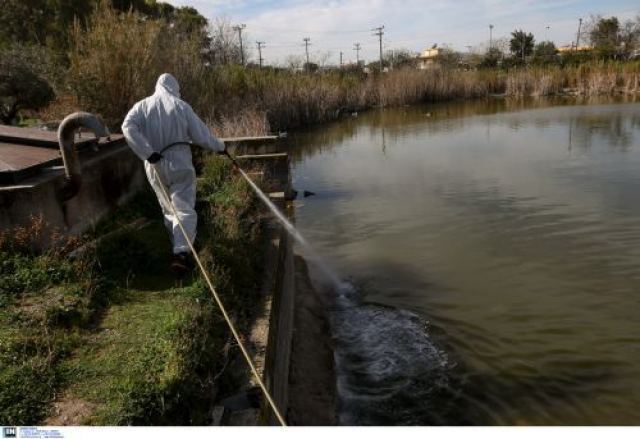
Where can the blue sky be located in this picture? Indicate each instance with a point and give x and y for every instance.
(335, 25)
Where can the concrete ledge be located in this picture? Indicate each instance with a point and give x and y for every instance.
(278, 155)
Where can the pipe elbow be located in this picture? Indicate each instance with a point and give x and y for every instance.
(66, 140)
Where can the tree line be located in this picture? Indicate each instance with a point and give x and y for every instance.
(41, 43)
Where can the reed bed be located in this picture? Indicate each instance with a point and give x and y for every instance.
(592, 79)
(116, 60)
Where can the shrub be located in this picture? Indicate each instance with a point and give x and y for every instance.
(22, 85)
(117, 59)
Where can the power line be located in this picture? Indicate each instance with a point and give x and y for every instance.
(490, 37)
(239, 29)
(306, 48)
(379, 32)
(260, 45)
(309, 31)
(578, 37)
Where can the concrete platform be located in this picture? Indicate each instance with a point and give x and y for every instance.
(40, 137)
(32, 180)
(18, 162)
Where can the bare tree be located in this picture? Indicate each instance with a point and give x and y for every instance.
(630, 36)
(502, 44)
(400, 57)
(321, 58)
(225, 46)
(294, 62)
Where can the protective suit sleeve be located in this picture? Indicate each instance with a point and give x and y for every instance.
(200, 133)
(133, 134)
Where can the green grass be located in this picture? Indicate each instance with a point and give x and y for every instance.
(141, 365)
(113, 332)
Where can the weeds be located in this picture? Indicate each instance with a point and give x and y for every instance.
(111, 331)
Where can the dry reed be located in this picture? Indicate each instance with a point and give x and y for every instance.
(116, 61)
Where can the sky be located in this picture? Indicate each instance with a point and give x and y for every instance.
(335, 25)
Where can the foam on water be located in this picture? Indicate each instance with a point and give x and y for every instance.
(388, 368)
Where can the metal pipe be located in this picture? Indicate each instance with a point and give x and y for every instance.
(66, 137)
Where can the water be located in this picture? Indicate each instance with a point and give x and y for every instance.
(307, 248)
(494, 249)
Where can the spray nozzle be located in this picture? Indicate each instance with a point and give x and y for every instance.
(233, 161)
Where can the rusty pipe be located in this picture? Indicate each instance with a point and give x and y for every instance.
(66, 137)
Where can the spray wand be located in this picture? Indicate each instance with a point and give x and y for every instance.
(236, 166)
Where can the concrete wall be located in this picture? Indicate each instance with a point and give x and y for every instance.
(111, 176)
(298, 363)
(278, 354)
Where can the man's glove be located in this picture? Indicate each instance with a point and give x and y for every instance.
(224, 151)
(154, 158)
(235, 166)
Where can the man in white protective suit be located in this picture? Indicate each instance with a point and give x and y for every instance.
(158, 129)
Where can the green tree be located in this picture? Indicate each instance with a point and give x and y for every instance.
(48, 22)
(521, 43)
(24, 21)
(22, 85)
(188, 20)
(545, 52)
(492, 58)
(605, 36)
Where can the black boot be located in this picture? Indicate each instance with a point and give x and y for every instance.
(180, 264)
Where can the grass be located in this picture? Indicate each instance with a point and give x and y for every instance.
(111, 338)
(143, 364)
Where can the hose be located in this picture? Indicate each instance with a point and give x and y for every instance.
(245, 353)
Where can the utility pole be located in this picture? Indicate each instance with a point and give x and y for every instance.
(306, 48)
(379, 32)
(490, 37)
(356, 47)
(578, 37)
(239, 29)
(340, 59)
(546, 34)
(260, 46)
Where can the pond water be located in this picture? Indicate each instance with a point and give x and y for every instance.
(493, 249)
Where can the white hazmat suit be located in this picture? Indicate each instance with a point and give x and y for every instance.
(151, 125)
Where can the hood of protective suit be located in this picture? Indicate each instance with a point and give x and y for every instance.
(167, 83)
